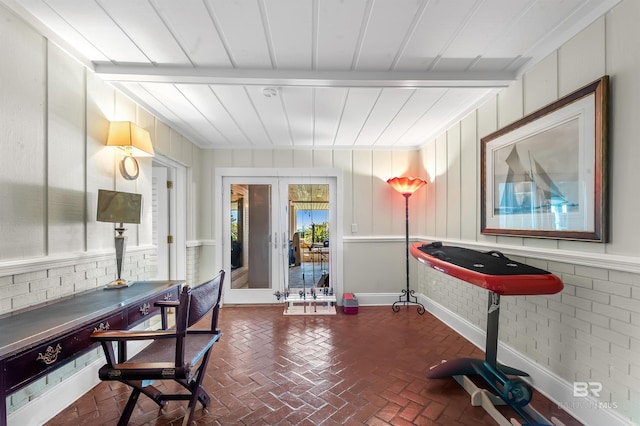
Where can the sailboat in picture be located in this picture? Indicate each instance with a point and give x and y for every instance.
(528, 189)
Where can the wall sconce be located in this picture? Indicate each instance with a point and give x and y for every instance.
(134, 141)
(119, 208)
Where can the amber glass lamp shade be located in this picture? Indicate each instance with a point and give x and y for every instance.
(406, 185)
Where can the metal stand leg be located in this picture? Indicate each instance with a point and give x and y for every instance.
(515, 392)
(406, 293)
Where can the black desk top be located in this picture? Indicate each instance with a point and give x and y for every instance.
(27, 328)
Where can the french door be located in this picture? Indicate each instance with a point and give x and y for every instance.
(278, 231)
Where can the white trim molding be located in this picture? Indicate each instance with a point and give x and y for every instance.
(20, 266)
(201, 243)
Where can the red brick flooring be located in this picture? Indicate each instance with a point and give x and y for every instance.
(364, 369)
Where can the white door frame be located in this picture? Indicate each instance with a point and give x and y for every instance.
(161, 261)
(252, 295)
(177, 173)
(335, 214)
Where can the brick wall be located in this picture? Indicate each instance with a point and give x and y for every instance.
(193, 265)
(25, 289)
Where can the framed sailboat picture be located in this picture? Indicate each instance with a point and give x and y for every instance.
(544, 175)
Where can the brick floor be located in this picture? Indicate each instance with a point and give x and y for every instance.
(270, 369)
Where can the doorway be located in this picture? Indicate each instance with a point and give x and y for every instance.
(310, 231)
(168, 200)
(281, 233)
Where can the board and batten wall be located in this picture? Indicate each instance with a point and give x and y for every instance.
(367, 202)
(54, 118)
(590, 332)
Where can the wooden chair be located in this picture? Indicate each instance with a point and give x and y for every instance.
(179, 354)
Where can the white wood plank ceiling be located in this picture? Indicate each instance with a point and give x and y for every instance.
(389, 74)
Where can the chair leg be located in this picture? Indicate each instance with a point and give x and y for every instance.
(128, 409)
(203, 397)
(191, 408)
(197, 392)
(197, 389)
(151, 391)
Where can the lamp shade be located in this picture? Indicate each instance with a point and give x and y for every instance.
(133, 139)
(119, 207)
(406, 185)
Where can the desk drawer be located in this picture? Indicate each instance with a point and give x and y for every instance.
(145, 309)
(34, 363)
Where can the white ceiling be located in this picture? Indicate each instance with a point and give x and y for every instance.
(345, 73)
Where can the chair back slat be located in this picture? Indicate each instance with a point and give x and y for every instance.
(195, 303)
(205, 298)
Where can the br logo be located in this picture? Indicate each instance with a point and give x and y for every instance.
(583, 389)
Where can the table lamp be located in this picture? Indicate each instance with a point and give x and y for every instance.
(119, 208)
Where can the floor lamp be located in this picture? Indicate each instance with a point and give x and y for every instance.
(407, 186)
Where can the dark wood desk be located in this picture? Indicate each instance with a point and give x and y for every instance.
(35, 342)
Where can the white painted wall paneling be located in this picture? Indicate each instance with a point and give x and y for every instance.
(540, 86)
(622, 37)
(101, 162)
(323, 158)
(385, 202)
(428, 155)
(454, 182)
(510, 105)
(469, 178)
(374, 266)
(363, 206)
(441, 186)
(66, 166)
(577, 68)
(22, 136)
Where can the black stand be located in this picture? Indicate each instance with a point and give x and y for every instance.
(515, 392)
(406, 293)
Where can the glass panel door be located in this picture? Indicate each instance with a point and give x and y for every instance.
(279, 234)
(309, 228)
(252, 232)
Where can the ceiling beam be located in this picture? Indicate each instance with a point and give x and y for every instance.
(302, 78)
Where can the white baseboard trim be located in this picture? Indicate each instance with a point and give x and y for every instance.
(49, 404)
(558, 390)
(376, 299)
